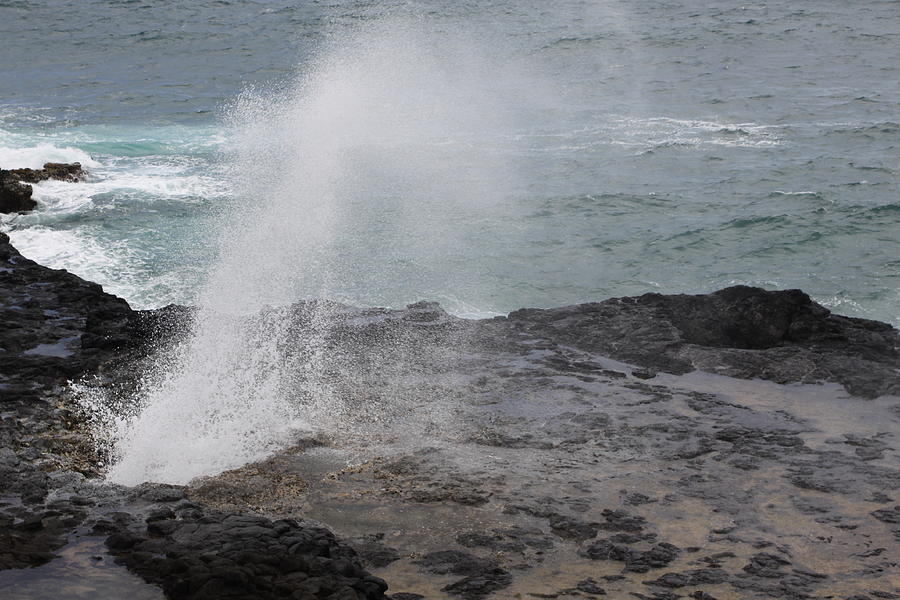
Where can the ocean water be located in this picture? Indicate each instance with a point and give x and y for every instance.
(488, 155)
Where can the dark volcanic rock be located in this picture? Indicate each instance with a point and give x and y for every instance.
(573, 529)
(589, 586)
(483, 576)
(620, 520)
(479, 586)
(14, 196)
(60, 171)
(888, 515)
(373, 552)
(766, 565)
(695, 577)
(47, 315)
(31, 539)
(739, 331)
(638, 561)
(213, 555)
(456, 562)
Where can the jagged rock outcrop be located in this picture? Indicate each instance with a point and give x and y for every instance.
(60, 171)
(741, 331)
(200, 554)
(15, 193)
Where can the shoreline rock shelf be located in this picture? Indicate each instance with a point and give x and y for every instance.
(501, 458)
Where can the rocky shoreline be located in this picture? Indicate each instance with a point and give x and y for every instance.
(739, 444)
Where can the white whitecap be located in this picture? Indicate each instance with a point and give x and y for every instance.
(34, 157)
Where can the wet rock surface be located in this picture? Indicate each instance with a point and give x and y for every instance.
(507, 458)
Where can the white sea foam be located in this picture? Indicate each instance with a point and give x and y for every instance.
(61, 249)
(58, 197)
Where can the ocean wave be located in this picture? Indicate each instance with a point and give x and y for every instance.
(688, 233)
(34, 157)
(652, 133)
(609, 204)
(103, 142)
(875, 169)
(668, 132)
(574, 41)
(810, 193)
(675, 143)
(866, 129)
(744, 143)
(885, 208)
(702, 125)
(744, 222)
(57, 198)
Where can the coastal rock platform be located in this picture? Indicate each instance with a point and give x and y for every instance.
(739, 444)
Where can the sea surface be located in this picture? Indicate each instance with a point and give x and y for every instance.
(489, 155)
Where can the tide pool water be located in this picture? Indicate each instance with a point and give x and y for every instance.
(488, 155)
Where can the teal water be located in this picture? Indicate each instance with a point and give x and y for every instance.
(573, 152)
